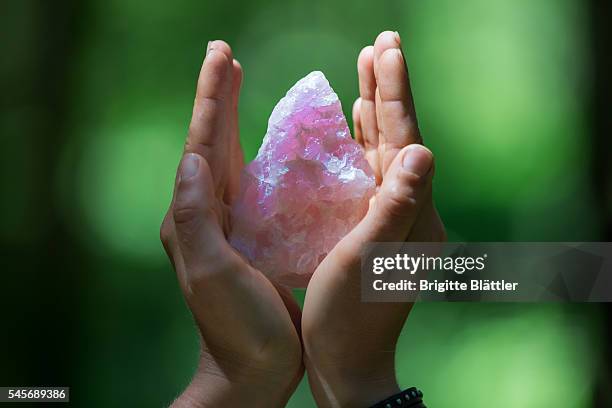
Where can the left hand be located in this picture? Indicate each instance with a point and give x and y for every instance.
(250, 348)
(349, 345)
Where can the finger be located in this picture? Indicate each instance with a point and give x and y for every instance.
(395, 106)
(222, 46)
(196, 220)
(357, 121)
(210, 122)
(371, 155)
(213, 95)
(397, 204)
(381, 136)
(383, 42)
(367, 114)
(367, 89)
(236, 154)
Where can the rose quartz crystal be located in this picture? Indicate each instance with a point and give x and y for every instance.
(308, 186)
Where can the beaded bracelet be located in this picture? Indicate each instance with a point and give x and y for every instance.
(409, 398)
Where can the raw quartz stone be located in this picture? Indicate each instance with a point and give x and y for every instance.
(309, 185)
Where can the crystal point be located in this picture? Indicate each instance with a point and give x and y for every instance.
(307, 188)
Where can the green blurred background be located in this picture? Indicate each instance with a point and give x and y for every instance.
(96, 98)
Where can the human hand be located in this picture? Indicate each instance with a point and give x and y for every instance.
(349, 345)
(250, 348)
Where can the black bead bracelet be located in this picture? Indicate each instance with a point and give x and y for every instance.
(409, 398)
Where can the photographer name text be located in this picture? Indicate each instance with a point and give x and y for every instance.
(424, 264)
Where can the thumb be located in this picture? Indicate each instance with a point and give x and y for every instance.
(394, 210)
(197, 215)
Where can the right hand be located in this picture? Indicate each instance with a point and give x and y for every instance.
(350, 345)
(250, 348)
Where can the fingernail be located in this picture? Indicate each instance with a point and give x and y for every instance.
(189, 166)
(207, 48)
(417, 159)
(398, 38)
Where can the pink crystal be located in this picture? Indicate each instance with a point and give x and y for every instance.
(308, 186)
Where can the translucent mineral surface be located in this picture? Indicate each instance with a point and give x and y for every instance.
(308, 186)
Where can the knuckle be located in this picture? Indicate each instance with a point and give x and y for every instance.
(209, 106)
(205, 110)
(185, 215)
(409, 179)
(390, 54)
(190, 216)
(399, 200)
(398, 206)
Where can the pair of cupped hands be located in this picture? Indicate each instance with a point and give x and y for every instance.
(256, 343)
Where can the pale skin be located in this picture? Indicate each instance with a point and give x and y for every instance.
(256, 343)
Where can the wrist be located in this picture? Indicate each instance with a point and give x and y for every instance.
(220, 384)
(351, 385)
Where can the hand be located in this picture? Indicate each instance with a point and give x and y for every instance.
(251, 351)
(349, 345)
